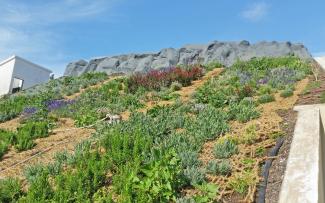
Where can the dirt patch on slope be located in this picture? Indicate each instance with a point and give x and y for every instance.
(277, 170)
(63, 138)
(11, 125)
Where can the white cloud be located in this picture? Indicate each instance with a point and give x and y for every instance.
(28, 28)
(255, 12)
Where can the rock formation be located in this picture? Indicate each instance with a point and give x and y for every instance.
(224, 52)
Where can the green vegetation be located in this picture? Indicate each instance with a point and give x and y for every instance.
(225, 149)
(6, 138)
(288, 92)
(241, 182)
(265, 98)
(222, 167)
(322, 97)
(151, 156)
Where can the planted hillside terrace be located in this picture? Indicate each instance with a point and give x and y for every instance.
(205, 148)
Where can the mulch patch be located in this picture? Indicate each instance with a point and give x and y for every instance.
(278, 167)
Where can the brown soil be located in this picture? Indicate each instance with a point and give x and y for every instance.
(278, 167)
(10, 125)
(63, 138)
(313, 96)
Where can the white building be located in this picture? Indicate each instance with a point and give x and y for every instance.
(17, 74)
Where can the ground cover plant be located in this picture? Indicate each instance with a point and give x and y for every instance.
(154, 156)
(156, 79)
(13, 105)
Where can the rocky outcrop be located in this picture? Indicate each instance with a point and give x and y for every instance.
(224, 52)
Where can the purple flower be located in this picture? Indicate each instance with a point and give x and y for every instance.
(29, 110)
(56, 104)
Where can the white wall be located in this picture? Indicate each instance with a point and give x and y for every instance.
(30, 73)
(321, 61)
(5, 76)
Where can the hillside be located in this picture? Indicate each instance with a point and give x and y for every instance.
(199, 133)
(227, 53)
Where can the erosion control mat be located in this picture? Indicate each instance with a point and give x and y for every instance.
(268, 124)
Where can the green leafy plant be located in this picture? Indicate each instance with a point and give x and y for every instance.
(194, 175)
(265, 89)
(260, 151)
(266, 98)
(249, 136)
(209, 192)
(222, 167)
(6, 139)
(30, 131)
(243, 111)
(225, 149)
(10, 190)
(241, 182)
(159, 179)
(288, 92)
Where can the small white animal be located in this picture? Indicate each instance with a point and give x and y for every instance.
(113, 118)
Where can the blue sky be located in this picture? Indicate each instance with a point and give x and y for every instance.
(53, 33)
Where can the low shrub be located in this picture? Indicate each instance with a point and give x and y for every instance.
(156, 79)
(32, 172)
(10, 190)
(243, 111)
(194, 175)
(189, 158)
(222, 167)
(265, 89)
(266, 98)
(244, 91)
(212, 65)
(249, 136)
(30, 131)
(175, 86)
(225, 149)
(6, 139)
(286, 93)
(241, 182)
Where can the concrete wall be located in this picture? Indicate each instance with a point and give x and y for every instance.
(6, 70)
(304, 176)
(30, 73)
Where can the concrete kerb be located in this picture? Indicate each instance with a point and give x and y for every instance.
(303, 180)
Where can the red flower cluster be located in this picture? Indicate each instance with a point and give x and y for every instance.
(156, 79)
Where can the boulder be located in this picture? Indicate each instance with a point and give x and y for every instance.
(226, 53)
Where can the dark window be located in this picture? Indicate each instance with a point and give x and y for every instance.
(17, 85)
